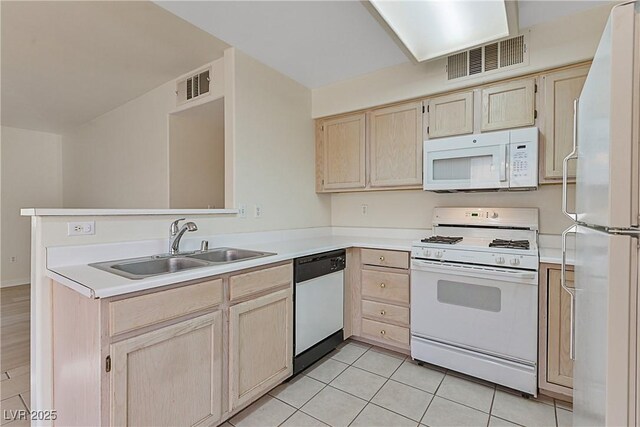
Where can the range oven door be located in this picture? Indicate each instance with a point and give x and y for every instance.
(489, 310)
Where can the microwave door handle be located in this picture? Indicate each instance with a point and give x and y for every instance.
(503, 163)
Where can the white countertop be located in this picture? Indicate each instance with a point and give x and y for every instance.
(96, 283)
(69, 265)
(554, 256)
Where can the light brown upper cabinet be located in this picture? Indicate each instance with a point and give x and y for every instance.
(343, 141)
(508, 105)
(559, 89)
(450, 115)
(395, 141)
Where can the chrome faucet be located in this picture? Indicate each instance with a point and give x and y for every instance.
(176, 234)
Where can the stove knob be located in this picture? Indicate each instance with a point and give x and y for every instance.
(500, 260)
(515, 261)
(438, 254)
(426, 252)
(494, 215)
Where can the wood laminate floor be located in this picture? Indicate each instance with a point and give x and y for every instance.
(14, 327)
(14, 353)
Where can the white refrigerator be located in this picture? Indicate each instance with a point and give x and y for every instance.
(604, 314)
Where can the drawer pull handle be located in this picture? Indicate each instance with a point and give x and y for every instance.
(382, 285)
(383, 312)
(382, 332)
(381, 258)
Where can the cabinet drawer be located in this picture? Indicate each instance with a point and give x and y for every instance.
(260, 280)
(382, 258)
(144, 310)
(393, 287)
(384, 332)
(385, 312)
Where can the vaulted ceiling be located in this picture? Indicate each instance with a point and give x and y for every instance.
(65, 63)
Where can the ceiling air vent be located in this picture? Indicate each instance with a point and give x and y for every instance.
(457, 65)
(488, 58)
(194, 86)
(475, 61)
(491, 57)
(512, 51)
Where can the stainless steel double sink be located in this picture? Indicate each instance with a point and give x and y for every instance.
(140, 268)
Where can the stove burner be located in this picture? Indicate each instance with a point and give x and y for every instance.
(511, 244)
(442, 239)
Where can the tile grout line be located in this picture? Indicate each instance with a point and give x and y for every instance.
(493, 398)
(376, 393)
(435, 393)
(327, 385)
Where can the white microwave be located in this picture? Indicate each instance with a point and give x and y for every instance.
(504, 160)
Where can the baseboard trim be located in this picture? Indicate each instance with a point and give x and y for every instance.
(14, 282)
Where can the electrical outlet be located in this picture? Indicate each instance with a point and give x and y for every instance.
(242, 211)
(81, 228)
(364, 209)
(13, 259)
(258, 211)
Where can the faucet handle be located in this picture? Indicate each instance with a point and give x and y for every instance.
(204, 245)
(174, 226)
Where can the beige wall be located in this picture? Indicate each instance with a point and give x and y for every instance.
(31, 176)
(196, 157)
(274, 167)
(413, 208)
(120, 159)
(564, 41)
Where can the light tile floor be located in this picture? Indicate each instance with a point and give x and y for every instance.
(14, 391)
(361, 385)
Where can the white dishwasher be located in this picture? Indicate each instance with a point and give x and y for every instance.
(319, 306)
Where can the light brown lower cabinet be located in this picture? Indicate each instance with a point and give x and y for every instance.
(261, 345)
(377, 296)
(183, 354)
(555, 374)
(170, 376)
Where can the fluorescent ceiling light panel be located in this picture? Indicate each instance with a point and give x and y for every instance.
(434, 28)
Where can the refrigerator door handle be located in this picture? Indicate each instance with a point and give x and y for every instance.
(573, 155)
(571, 292)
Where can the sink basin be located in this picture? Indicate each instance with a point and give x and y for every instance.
(225, 255)
(146, 267)
(140, 268)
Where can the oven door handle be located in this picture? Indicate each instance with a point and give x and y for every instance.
(448, 268)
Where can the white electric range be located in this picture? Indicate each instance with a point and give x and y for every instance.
(474, 294)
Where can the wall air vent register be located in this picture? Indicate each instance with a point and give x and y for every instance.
(488, 58)
(194, 86)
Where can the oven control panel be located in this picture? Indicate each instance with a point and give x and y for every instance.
(498, 259)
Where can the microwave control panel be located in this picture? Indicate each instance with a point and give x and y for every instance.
(523, 164)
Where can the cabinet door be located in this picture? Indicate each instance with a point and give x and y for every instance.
(508, 105)
(450, 115)
(260, 346)
(343, 141)
(559, 363)
(396, 145)
(170, 376)
(559, 89)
